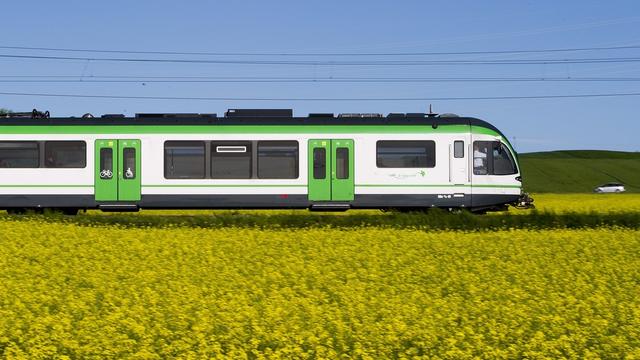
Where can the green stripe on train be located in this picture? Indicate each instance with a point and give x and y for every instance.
(50, 186)
(361, 185)
(440, 185)
(218, 186)
(261, 186)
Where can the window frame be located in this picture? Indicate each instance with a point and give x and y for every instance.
(248, 149)
(125, 151)
(296, 158)
(490, 158)
(342, 172)
(428, 144)
(38, 147)
(46, 143)
(204, 159)
(455, 153)
(323, 152)
(504, 148)
(106, 165)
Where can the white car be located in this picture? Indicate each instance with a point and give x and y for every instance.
(610, 188)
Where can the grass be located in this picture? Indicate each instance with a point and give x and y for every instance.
(579, 171)
(562, 282)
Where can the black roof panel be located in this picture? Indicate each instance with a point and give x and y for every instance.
(148, 120)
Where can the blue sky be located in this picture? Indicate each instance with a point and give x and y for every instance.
(341, 26)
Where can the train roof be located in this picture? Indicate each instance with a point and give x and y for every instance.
(269, 117)
(247, 117)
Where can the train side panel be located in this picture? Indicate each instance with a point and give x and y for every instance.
(449, 182)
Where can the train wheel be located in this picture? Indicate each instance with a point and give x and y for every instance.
(16, 211)
(457, 211)
(62, 211)
(406, 210)
(70, 211)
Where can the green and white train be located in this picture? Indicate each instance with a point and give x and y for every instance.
(256, 159)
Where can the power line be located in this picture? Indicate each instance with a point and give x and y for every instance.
(313, 78)
(198, 77)
(205, 79)
(292, 54)
(523, 97)
(342, 63)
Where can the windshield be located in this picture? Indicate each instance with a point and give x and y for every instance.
(503, 163)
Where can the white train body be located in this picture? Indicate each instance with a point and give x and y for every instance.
(412, 163)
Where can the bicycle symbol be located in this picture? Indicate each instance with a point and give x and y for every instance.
(106, 174)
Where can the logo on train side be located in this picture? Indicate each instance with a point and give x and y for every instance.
(421, 173)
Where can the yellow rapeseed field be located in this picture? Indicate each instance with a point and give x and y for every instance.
(599, 203)
(558, 203)
(74, 290)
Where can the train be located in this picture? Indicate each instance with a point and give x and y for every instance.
(256, 159)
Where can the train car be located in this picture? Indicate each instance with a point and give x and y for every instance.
(255, 159)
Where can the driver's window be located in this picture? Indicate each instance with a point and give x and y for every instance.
(481, 157)
(492, 158)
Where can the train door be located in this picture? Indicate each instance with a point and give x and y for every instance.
(458, 163)
(117, 176)
(331, 175)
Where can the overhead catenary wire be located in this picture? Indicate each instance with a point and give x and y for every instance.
(447, 62)
(230, 79)
(142, 97)
(304, 54)
(543, 30)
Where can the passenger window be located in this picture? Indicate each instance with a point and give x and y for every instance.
(184, 160)
(319, 163)
(19, 154)
(342, 163)
(503, 163)
(458, 149)
(106, 163)
(406, 154)
(129, 163)
(231, 160)
(277, 159)
(65, 154)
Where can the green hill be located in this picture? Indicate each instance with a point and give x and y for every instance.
(579, 171)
